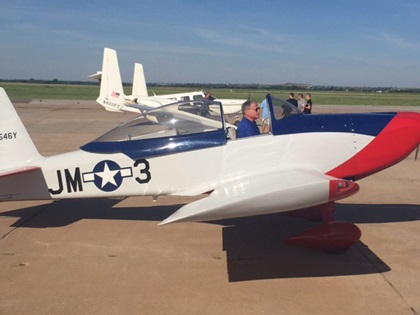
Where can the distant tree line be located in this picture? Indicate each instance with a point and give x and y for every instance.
(208, 86)
(53, 81)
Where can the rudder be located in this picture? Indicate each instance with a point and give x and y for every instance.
(111, 94)
(17, 149)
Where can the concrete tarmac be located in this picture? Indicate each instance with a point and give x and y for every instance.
(108, 256)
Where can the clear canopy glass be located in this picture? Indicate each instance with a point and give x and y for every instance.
(180, 118)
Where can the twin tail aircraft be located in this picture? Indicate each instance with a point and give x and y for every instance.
(186, 149)
(139, 101)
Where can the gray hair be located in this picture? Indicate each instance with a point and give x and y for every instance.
(246, 105)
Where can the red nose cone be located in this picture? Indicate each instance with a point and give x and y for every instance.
(330, 236)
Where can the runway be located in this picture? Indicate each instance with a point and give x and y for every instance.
(108, 256)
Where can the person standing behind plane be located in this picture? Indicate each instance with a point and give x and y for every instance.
(248, 127)
(307, 109)
(208, 96)
(301, 102)
(292, 99)
(265, 117)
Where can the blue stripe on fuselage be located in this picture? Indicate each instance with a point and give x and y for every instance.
(361, 123)
(158, 146)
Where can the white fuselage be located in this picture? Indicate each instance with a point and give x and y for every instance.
(73, 175)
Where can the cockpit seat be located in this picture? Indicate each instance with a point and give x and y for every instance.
(231, 133)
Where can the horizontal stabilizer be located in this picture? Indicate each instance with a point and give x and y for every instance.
(96, 76)
(25, 169)
(23, 184)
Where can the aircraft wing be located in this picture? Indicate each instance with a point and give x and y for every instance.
(140, 107)
(265, 193)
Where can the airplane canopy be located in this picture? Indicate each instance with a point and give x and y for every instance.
(168, 129)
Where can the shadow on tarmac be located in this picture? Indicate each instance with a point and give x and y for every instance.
(256, 250)
(254, 246)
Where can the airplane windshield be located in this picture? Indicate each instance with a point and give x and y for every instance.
(180, 118)
(284, 109)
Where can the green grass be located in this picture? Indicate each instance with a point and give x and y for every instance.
(51, 91)
(91, 92)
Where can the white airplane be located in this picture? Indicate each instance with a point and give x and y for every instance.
(307, 162)
(111, 86)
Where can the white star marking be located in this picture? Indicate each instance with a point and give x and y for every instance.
(107, 176)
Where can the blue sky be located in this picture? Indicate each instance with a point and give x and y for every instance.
(324, 42)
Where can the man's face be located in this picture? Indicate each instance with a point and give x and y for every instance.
(253, 112)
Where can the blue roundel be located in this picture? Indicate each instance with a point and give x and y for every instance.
(107, 175)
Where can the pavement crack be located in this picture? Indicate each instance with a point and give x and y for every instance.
(394, 288)
(374, 261)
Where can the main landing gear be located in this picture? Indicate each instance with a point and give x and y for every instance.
(331, 236)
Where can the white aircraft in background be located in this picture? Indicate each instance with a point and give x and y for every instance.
(310, 161)
(139, 100)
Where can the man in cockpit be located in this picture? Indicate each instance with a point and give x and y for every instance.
(248, 126)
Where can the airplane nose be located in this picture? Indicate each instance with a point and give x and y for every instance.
(415, 117)
(394, 143)
(400, 137)
(410, 126)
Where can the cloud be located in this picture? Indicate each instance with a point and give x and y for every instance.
(398, 41)
(245, 38)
